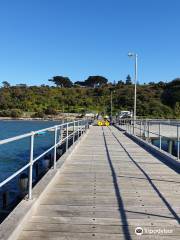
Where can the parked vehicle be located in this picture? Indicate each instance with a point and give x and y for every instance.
(125, 114)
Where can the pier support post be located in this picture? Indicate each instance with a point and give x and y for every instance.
(23, 182)
(5, 200)
(37, 169)
(170, 146)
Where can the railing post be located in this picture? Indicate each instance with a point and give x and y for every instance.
(140, 128)
(178, 142)
(81, 127)
(85, 125)
(144, 133)
(73, 131)
(67, 135)
(133, 125)
(78, 128)
(31, 166)
(160, 136)
(148, 133)
(55, 142)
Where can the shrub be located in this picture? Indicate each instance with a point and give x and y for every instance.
(39, 114)
(50, 111)
(14, 113)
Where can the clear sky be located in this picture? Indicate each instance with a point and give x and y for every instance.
(78, 38)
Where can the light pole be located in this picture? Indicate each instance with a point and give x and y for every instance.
(111, 102)
(111, 105)
(135, 82)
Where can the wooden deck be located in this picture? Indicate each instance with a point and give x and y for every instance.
(107, 188)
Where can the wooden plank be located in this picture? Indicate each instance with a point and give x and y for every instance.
(106, 192)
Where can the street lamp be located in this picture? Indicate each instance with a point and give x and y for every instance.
(135, 56)
(111, 103)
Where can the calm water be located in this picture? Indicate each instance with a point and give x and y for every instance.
(16, 154)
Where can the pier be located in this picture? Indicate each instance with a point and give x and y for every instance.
(108, 185)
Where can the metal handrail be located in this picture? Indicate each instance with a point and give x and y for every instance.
(132, 124)
(82, 126)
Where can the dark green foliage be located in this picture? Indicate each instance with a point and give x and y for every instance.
(80, 83)
(61, 81)
(120, 82)
(6, 84)
(95, 81)
(153, 100)
(128, 80)
(50, 111)
(38, 115)
(14, 113)
(171, 94)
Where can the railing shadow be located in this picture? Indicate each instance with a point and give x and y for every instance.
(125, 227)
(153, 179)
(161, 159)
(150, 181)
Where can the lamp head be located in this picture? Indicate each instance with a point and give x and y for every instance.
(130, 54)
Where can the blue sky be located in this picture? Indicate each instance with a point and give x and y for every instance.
(78, 38)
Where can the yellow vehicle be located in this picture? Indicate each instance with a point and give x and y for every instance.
(100, 123)
(103, 123)
(107, 123)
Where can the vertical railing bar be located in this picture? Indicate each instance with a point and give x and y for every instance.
(55, 142)
(178, 142)
(78, 128)
(73, 131)
(67, 136)
(159, 135)
(144, 134)
(31, 166)
(148, 131)
(81, 127)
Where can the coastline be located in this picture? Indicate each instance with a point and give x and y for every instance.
(47, 118)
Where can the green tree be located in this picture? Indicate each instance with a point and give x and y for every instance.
(120, 82)
(128, 80)
(96, 81)
(177, 109)
(171, 93)
(6, 84)
(61, 81)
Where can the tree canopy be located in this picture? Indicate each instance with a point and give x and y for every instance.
(128, 80)
(171, 94)
(61, 81)
(96, 81)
